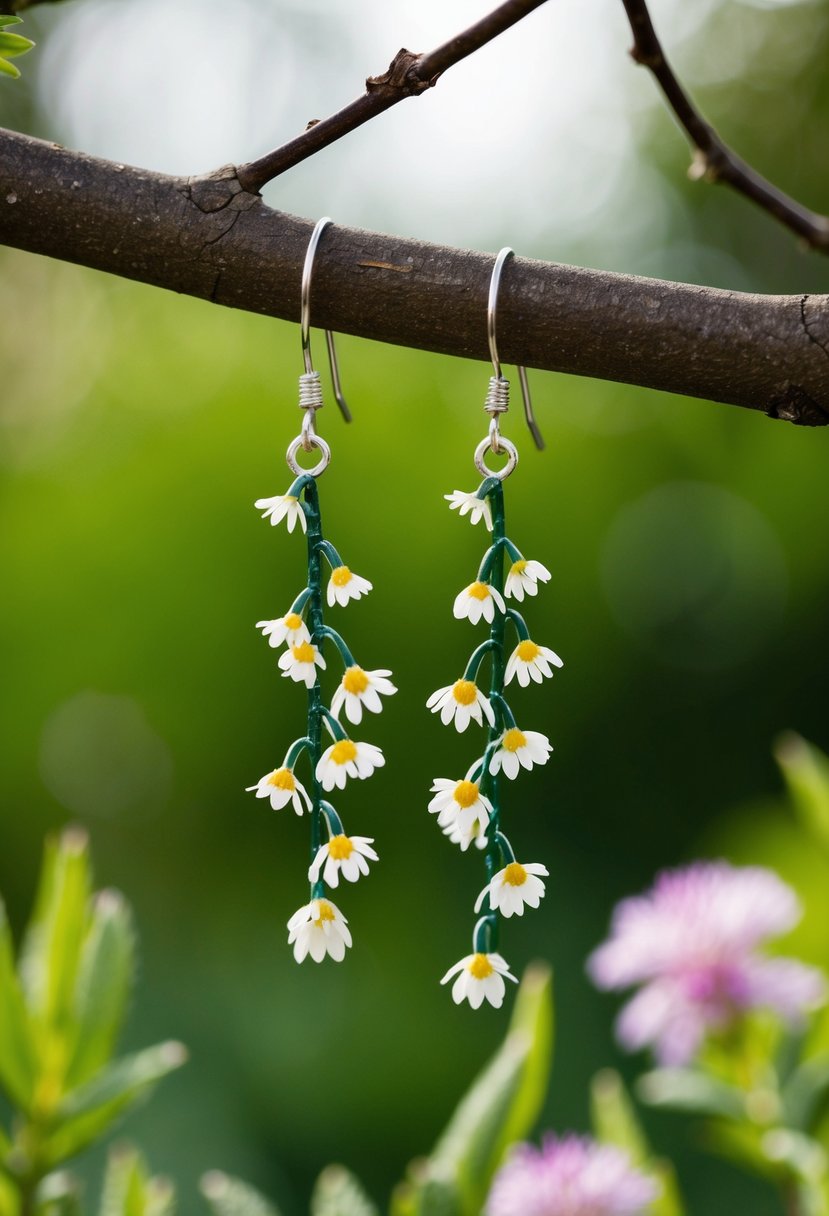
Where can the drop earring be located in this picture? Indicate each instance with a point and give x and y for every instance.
(319, 928)
(469, 810)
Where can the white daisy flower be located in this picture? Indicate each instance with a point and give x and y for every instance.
(531, 662)
(344, 758)
(475, 835)
(524, 577)
(520, 749)
(361, 688)
(477, 508)
(480, 977)
(319, 928)
(513, 887)
(344, 586)
(289, 628)
(282, 506)
(346, 854)
(478, 600)
(461, 701)
(460, 803)
(300, 663)
(282, 787)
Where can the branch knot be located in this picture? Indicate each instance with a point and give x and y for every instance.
(402, 77)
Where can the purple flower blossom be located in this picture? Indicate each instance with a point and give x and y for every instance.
(569, 1176)
(692, 942)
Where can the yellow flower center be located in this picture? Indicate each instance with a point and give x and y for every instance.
(355, 680)
(290, 498)
(527, 651)
(515, 874)
(341, 576)
(478, 591)
(466, 793)
(518, 567)
(340, 847)
(293, 620)
(513, 740)
(324, 912)
(343, 751)
(303, 653)
(480, 967)
(464, 692)
(283, 779)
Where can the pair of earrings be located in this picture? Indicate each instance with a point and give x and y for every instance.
(468, 810)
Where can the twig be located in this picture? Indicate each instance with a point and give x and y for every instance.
(207, 238)
(408, 75)
(713, 159)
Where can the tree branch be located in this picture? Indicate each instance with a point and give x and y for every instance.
(207, 237)
(713, 159)
(408, 75)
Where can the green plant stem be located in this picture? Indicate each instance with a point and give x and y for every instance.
(315, 706)
(496, 687)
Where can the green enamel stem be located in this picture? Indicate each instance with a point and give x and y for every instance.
(327, 632)
(295, 751)
(330, 554)
(488, 487)
(335, 824)
(514, 552)
(302, 483)
(496, 687)
(315, 706)
(520, 625)
(477, 658)
(299, 603)
(489, 557)
(503, 712)
(485, 934)
(507, 855)
(336, 729)
(478, 771)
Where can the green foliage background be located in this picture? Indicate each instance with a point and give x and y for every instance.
(136, 428)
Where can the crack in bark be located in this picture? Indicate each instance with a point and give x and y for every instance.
(822, 344)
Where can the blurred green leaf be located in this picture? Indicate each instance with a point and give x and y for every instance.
(9, 20)
(128, 1189)
(500, 1108)
(11, 45)
(615, 1122)
(805, 1093)
(52, 945)
(59, 1194)
(338, 1193)
(8, 69)
(18, 1066)
(685, 1089)
(105, 975)
(806, 770)
(87, 1112)
(229, 1196)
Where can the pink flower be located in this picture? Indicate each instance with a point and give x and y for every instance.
(693, 943)
(569, 1176)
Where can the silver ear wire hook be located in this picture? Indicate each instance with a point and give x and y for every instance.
(500, 406)
(310, 389)
(305, 320)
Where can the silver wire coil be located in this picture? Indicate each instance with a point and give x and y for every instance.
(497, 397)
(310, 391)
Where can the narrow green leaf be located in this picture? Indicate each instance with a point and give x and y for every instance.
(338, 1193)
(500, 1108)
(231, 1197)
(87, 1112)
(805, 1094)
(12, 45)
(129, 1191)
(685, 1089)
(6, 20)
(18, 1067)
(52, 945)
(8, 69)
(615, 1122)
(806, 770)
(58, 1195)
(105, 974)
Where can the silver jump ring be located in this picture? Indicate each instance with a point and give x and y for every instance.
(504, 448)
(313, 441)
